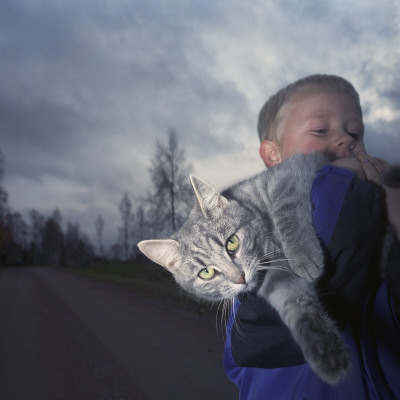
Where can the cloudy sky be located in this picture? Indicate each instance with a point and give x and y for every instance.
(87, 88)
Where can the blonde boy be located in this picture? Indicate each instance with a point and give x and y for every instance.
(323, 113)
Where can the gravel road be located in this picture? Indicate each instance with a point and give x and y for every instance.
(68, 337)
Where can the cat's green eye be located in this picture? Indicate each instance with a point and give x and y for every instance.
(232, 244)
(207, 273)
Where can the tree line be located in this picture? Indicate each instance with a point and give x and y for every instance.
(50, 240)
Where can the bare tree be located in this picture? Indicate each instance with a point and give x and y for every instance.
(42, 240)
(77, 248)
(36, 228)
(126, 230)
(141, 224)
(53, 239)
(115, 251)
(4, 234)
(99, 232)
(18, 229)
(71, 244)
(171, 190)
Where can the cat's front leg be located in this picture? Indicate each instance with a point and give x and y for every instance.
(302, 250)
(298, 305)
(306, 261)
(292, 217)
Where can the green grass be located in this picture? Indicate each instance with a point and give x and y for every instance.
(146, 279)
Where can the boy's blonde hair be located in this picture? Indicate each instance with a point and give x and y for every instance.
(269, 117)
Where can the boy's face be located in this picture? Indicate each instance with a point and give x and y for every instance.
(318, 119)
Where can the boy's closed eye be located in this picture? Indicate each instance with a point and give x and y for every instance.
(355, 135)
(321, 131)
(355, 128)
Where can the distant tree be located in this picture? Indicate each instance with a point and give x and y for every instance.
(77, 248)
(36, 228)
(3, 204)
(41, 241)
(127, 219)
(171, 194)
(4, 234)
(99, 233)
(16, 239)
(142, 230)
(53, 239)
(3, 193)
(115, 251)
(141, 225)
(18, 229)
(13, 228)
(71, 245)
(86, 249)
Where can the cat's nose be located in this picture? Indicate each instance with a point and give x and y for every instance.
(241, 280)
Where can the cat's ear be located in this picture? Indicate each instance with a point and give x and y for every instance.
(162, 252)
(210, 201)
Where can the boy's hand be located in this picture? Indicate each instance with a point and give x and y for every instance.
(351, 164)
(373, 168)
(364, 166)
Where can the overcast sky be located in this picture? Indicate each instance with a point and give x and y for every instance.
(87, 87)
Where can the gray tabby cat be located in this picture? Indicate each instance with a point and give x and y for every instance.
(260, 224)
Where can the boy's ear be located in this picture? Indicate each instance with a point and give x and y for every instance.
(269, 153)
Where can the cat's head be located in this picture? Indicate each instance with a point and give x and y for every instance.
(212, 256)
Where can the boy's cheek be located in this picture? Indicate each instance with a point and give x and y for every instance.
(291, 147)
(313, 147)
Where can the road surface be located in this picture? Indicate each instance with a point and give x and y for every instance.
(67, 337)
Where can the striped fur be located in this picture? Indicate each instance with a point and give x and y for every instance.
(278, 255)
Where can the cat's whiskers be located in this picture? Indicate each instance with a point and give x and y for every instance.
(270, 254)
(228, 306)
(238, 324)
(267, 266)
(277, 267)
(220, 311)
(281, 250)
(224, 310)
(276, 260)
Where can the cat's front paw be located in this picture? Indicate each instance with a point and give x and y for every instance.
(328, 357)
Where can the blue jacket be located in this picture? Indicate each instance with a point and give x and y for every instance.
(261, 358)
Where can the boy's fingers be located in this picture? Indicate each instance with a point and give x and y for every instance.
(373, 167)
(384, 165)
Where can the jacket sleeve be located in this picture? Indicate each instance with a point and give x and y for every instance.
(350, 222)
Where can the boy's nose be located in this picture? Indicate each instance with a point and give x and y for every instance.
(344, 144)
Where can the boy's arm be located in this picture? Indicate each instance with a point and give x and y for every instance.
(393, 206)
(372, 169)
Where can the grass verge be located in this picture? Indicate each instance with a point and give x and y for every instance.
(146, 279)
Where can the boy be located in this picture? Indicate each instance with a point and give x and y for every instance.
(323, 113)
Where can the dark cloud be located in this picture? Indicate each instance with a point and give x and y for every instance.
(87, 88)
(383, 140)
